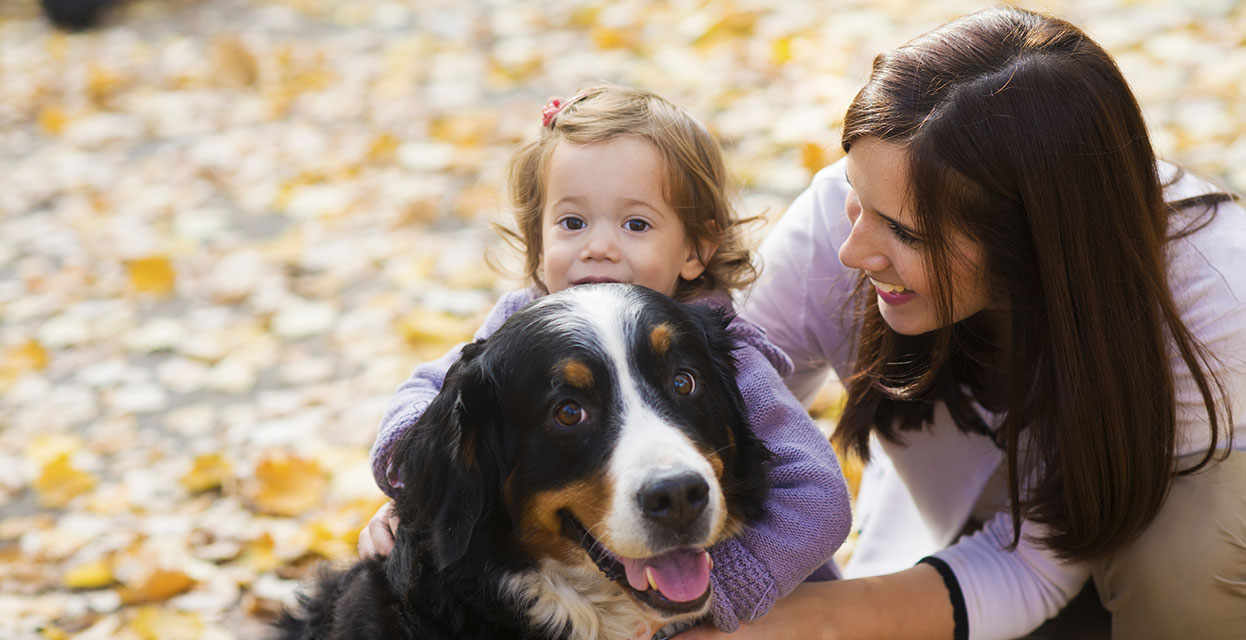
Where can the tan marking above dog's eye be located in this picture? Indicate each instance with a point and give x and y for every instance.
(569, 414)
(660, 338)
(577, 374)
(683, 383)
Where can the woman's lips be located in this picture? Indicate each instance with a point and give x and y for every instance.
(892, 294)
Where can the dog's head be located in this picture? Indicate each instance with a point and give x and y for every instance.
(600, 426)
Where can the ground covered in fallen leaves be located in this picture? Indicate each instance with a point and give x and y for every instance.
(229, 228)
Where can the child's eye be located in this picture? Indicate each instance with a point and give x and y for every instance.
(636, 224)
(572, 223)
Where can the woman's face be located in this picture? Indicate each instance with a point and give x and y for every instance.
(885, 245)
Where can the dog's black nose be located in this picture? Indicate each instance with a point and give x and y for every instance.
(675, 501)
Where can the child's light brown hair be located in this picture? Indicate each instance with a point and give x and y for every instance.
(695, 182)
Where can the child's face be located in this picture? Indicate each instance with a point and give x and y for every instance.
(606, 219)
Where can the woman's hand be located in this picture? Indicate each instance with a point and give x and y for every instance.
(799, 615)
(910, 604)
(377, 539)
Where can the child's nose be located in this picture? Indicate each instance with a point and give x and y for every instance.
(602, 245)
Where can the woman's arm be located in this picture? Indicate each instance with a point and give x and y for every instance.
(911, 604)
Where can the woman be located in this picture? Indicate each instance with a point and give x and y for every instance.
(1044, 352)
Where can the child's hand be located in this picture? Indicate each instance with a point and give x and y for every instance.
(377, 539)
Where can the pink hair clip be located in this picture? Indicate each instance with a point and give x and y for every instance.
(550, 110)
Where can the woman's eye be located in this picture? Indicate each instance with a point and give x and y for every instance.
(901, 233)
(572, 223)
(569, 414)
(636, 225)
(683, 383)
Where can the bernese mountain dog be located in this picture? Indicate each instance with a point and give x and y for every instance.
(566, 482)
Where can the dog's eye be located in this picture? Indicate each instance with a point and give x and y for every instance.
(569, 414)
(683, 383)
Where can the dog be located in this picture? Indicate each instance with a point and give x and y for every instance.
(565, 483)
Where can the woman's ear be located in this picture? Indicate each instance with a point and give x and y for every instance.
(699, 254)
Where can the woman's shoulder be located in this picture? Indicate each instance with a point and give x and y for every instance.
(1207, 258)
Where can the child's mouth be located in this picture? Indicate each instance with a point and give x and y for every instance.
(593, 280)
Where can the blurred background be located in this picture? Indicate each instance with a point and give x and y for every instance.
(230, 228)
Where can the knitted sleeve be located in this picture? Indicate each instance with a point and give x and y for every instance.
(414, 395)
(807, 514)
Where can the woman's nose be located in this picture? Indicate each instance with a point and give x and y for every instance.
(861, 249)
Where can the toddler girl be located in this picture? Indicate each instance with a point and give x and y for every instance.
(622, 186)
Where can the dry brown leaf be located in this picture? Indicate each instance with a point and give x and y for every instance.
(60, 482)
(152, 274)
(233, 65)
(287, 485)
(155, 584)
(103, 85)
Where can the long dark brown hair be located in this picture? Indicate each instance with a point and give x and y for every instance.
(1022, 134)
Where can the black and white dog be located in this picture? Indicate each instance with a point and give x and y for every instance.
(565, 483)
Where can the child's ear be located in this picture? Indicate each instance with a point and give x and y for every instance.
(699, 254)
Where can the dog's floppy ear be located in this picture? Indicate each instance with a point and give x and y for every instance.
(448, 460)
(745, 478)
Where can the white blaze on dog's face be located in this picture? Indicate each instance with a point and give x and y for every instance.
(664, 499)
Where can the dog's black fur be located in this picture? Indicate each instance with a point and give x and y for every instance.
(487, 447)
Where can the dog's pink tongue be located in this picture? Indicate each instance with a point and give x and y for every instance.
(680, 576)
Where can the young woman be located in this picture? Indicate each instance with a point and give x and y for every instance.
(1045, 352)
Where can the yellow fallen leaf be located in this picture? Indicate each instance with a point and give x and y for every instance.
(260, 554)
(53, 120)
(383, 148)
(53, 632)
(59, 482)
(157, 584)
(46, 448)
(781, 50)
(607, 38)
(102, 84)
(813, 156)
(286, 485)
(21, 359)
(430, 333)
(208, 472)
(336, 535)
(152, 274)
(95, 574)
(155, 623)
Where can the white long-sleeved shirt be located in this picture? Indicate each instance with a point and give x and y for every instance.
(802, 300)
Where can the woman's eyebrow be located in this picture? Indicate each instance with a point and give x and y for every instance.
(905, 227)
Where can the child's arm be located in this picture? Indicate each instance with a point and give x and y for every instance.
(807, 514)
(413, 396)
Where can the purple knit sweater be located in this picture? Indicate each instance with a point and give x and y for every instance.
(806, 516)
